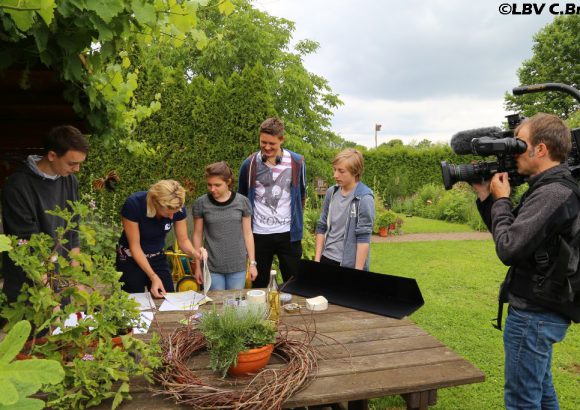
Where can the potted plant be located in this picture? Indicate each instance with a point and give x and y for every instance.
(398, 225)
(95, 369)
(383, 220)
(240, 340)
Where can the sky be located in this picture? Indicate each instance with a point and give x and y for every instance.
(420, 68)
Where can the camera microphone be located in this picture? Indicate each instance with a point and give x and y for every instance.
(461, 142)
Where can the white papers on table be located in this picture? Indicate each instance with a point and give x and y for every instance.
(188, 300)
(72, 321)
(145, 321)
(144, 299)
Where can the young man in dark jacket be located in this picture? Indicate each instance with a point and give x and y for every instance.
(528, 239)
(274, 180)
(41, 184)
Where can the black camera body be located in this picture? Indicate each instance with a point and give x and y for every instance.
(489, 141)
(503, 144)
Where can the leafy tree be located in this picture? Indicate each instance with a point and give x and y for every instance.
(87, 43)
(555, 59)
(248, 36)
(212, 101)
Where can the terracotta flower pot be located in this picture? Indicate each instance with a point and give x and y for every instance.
(250, 361)
(383, 231)
(118, 342)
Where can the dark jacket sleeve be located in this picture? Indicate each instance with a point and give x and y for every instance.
(517, 237)
(303, 182)
(243, 187)
(484, 208)
(18, 214)
(73, 235)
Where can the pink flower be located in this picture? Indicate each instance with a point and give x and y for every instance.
(22, 242)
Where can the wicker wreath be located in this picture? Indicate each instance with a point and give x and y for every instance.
(269, 389)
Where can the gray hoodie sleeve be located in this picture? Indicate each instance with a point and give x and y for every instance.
(366, 219)
(321, 226)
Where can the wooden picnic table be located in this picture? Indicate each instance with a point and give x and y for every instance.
(364, 356)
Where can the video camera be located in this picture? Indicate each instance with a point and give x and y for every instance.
(503, 144)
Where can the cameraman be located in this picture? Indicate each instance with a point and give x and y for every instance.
(523, 237)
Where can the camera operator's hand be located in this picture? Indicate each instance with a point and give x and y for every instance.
(500, 186)
(481, 189)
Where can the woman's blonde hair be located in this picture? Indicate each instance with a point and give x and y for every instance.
(166, 193)
(353, 161)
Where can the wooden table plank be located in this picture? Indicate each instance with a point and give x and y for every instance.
(368, 385)
(363, 356)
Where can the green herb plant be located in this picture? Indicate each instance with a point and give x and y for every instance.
(233, 330)
(95, 370)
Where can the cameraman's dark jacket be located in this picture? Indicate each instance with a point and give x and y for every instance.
(520, 233)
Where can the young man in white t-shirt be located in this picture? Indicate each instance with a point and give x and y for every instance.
(274, 180)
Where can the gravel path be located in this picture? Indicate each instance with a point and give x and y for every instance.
(425, 237)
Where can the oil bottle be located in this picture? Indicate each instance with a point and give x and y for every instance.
(273, 297)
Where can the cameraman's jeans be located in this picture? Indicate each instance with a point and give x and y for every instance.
(528, 339)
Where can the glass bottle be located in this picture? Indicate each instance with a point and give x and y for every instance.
(273, 297)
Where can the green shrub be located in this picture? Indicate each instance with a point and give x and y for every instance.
(434, 202)
(430, 193)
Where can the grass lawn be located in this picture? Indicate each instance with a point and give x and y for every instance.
(415, 224)
(459, 281)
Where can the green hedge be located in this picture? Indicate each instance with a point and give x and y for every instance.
(402, 170)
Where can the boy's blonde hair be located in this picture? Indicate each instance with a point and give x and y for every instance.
(166, 193)
(353, 160)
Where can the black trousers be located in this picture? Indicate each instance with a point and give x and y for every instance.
(328, 261)
(279, 244)
(135, 280)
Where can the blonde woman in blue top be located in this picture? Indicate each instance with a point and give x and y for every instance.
(147, 217)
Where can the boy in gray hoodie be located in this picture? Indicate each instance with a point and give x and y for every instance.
(343, 233)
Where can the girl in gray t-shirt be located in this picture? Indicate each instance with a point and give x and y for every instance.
(222, 223)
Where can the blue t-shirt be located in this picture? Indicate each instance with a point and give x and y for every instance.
(152, 231)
